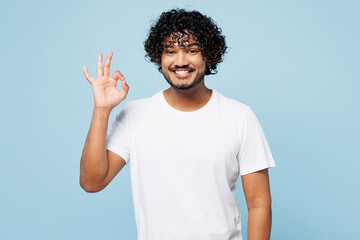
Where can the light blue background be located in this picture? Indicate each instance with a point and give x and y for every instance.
(296, 63)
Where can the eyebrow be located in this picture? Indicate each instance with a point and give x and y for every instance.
(189, 45)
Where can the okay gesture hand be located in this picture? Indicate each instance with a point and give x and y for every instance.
(106, 95)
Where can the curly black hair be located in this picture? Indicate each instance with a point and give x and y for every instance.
(179, 23)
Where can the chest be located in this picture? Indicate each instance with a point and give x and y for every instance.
(182, 147)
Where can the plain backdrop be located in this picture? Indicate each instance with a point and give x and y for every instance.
(295, 62)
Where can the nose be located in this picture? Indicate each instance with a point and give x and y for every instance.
(181, 59)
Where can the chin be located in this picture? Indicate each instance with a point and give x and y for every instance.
(184, 86)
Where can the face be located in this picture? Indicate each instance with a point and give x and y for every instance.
(182, 65)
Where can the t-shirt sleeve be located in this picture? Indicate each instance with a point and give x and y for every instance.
(118, 140)
(254, 154)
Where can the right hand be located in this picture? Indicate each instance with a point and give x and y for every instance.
(106, 95)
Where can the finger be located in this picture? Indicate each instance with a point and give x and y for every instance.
(117, 75)
(124, 87)
(87, 75)
(107, 64)
(99, 69)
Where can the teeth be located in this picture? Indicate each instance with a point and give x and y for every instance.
(181, 72)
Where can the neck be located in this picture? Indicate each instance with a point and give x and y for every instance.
(189, 99)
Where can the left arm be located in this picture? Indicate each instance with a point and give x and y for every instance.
(258, 199)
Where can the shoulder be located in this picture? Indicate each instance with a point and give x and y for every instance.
(231, 105)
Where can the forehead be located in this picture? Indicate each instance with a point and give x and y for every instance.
(181, 39)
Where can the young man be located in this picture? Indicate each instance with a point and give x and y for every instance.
(187, 144)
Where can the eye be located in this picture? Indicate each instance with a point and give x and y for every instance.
(193, 50)
(169, 51)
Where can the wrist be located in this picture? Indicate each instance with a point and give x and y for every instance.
(102, 111)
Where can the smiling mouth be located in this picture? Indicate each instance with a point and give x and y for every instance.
(182, 72)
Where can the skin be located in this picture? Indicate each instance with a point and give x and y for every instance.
(99, 166)
(187, 57)
(258, 199)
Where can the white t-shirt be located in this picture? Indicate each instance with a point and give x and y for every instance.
(184, 165)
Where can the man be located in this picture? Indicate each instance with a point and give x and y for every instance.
(187, 144)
